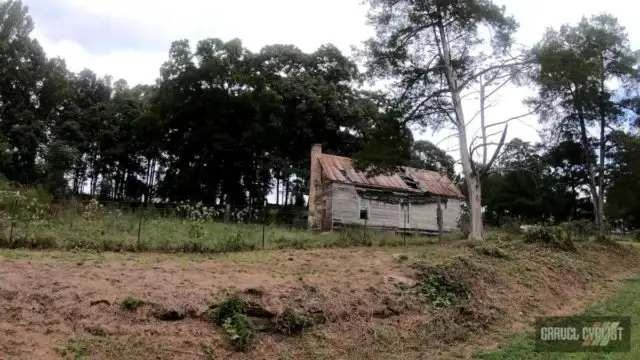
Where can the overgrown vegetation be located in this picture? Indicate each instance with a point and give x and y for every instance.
(229, 314)
(225, 310)
(291, 322)
(442, 285)
(131, 303)
(239, 330)
(33, 223)
(233, 315)
(76, 349)
(552, 236)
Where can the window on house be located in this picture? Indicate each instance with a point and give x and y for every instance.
(364, 206)
(405, 208)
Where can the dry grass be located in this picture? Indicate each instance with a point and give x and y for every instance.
(73, 301)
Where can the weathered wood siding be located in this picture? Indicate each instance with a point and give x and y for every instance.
(342, 207)
(344, 204)
(424, 216)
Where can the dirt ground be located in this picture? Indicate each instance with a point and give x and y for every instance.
(68, 305)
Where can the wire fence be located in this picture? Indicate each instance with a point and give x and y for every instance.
(186, 227)
(168, 227)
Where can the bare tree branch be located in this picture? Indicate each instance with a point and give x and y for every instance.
(488, 70)
(486, 167)
(447, 138)
(473, 140)
(509, 77)
(511, 119)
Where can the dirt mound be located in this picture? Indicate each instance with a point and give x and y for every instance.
(435, 301)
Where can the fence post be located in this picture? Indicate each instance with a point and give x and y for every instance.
(13, 220)
(439, 218)
(140, 226)
(404, 228)
(264, 221)
(364, 231)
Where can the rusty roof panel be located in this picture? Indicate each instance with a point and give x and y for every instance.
(432, 181)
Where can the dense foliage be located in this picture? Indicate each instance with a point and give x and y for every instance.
(221, 124)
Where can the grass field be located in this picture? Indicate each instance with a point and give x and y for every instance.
(626, 303)
(128, 232)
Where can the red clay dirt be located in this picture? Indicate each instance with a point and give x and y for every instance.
(65, 305)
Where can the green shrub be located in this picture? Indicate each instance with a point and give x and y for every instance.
(225, 310)
(579, 230)
(635, 235)
(234, 241)
(441, 287)
(291, 322)
(239, 330)
(552, 236)
(131, 303)
(195, 230)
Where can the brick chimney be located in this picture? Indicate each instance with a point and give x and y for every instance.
(315, 189)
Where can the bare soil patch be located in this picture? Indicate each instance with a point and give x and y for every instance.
(68, 305)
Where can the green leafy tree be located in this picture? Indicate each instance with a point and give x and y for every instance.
(623, 196)
(428, 156)
(577, 67)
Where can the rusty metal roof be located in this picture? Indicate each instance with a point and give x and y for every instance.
(338, 168)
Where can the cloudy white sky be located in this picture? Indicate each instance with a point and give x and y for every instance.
(130, 38)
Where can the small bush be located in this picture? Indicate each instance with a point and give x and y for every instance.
(442, 288)
(552, 236)
(234, 241)
(291, 322)
(579, 230)
(225, 310)
(239, 330)
(195, 230)
(635, 235)
(131, 304)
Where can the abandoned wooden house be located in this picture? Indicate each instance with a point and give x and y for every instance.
(405, 201)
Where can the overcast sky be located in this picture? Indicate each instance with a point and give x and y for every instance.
(130, 38)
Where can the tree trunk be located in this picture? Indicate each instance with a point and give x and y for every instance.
(603, 149)
(601, 218)
(473, 183)
(593, 188)
(286, 192)
(476, 230)
(277, 191)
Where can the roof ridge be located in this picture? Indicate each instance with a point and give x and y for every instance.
(406, 166)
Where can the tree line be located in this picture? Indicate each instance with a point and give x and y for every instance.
(221, 124)
(225, 125)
